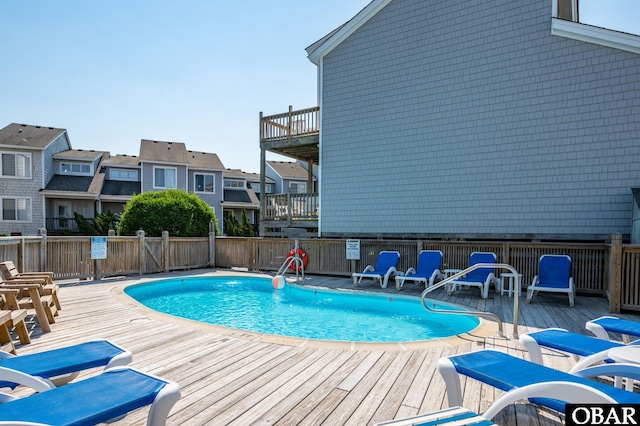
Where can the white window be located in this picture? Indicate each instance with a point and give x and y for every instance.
(16, 165)
(164, 177)
(124, 174)
(234, 183)
(297, 188)
(75, 168)
(204, 183)
(268, 188)
(16, 209)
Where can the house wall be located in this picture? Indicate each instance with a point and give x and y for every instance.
(470, 118)
(215, 199)
(271, 174)
(61, 143)
(41, 173)
(147, 176)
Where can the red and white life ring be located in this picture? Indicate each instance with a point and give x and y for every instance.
(303, 256)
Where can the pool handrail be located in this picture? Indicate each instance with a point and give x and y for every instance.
(478, 313)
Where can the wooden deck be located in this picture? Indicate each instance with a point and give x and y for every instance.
(232, 378)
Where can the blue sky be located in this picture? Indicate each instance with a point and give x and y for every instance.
(192, 71)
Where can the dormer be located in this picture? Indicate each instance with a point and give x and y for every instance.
(77, 162)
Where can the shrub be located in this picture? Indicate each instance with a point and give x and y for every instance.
(173, 210)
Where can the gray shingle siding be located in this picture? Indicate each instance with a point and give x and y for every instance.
(58, 145)
(471, 118)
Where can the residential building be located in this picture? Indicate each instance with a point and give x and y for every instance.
(26, 167)
(473, 120)
(74, 188)
(242, 191)
(121, 182)
(168, 165)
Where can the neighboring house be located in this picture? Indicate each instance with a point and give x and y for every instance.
(167, 165)
(26, 167)
(242, 191)
(477, 120)
(121, 182)
(74, 187)
(289, 177)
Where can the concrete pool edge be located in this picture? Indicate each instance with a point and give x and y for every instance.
(485, 328)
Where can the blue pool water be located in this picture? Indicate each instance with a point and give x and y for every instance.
(251, 303)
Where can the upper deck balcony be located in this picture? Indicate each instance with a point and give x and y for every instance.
(295, 134)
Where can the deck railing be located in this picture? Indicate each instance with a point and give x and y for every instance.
(291, 207)
(290, 124)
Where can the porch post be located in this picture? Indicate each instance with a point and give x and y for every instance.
(212, 245)
(615, 273)
(142, 255)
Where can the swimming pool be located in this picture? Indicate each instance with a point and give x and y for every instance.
(251, 303)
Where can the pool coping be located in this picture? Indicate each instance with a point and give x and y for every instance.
(486, 328)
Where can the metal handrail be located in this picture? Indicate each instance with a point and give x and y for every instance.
(478, 313)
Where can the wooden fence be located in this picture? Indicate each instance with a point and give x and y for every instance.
(611, 270)
(70, 257)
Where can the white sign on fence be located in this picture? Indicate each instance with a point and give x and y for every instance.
(98, 247)
(353, 249)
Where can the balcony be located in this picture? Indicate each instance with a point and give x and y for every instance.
(291, 211)
(295, 134)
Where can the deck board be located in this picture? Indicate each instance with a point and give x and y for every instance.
(227, 379)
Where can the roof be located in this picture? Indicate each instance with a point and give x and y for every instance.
(204, 160)
(249, 177)
(122, 161)
(326, 44)
(163, 152)
(237, 197)
(27, 136)
(117, 187)
(78, 154)
(68, 185)
(288, 170)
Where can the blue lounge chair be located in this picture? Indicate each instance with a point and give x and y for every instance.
(427, 271)
(482, 277)
(554, 275)
(48, 369)
(98, 399)
(602, 326)
(512, 374)
(591, 349)
(385, 267)
(573, 393)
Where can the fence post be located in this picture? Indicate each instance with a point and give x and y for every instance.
(141, 252)
(43, 251)
(165, 251)
(212, 245)
(21, 251)
(615, 273)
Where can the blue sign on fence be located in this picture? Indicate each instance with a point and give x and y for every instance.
(98, 247)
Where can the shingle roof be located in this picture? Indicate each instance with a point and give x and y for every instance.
(250, 177)
(234, 196)
(78, 154)
(288, 170)
(76, 185)
(163, 152)
(204, 160)
(116, 187)
(27, 136)
(122, 160)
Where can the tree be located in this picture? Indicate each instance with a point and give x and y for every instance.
(238, 228)
(101, 224)
(246, 226)
(172, 210)
(231, 225)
